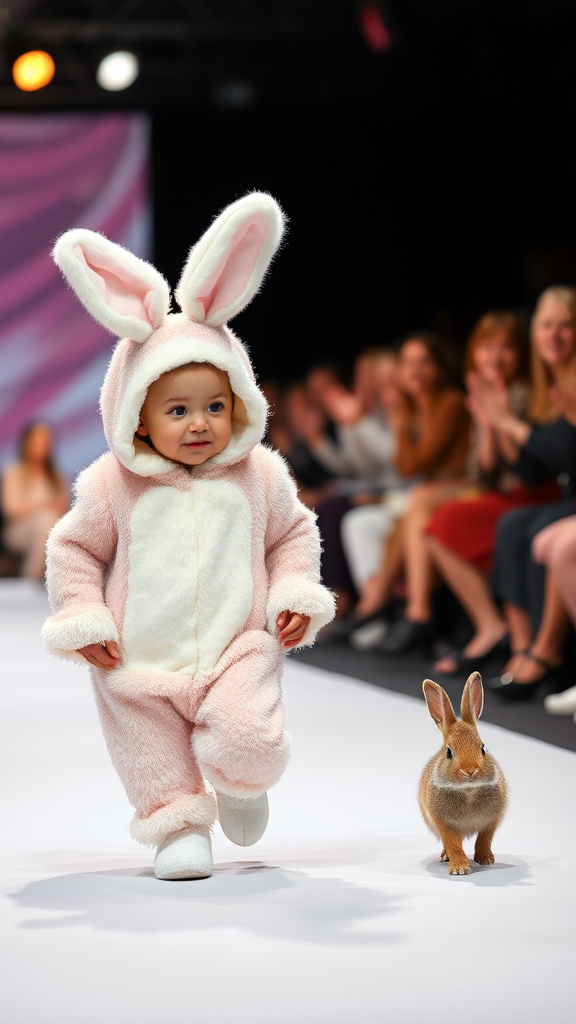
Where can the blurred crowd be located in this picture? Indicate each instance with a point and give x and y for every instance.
(445, 496)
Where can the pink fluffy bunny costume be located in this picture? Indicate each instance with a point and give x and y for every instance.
(186, 569)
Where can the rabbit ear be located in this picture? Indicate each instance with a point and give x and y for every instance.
(472, 699)
(122, 292)
(227, 266)
(439, 705)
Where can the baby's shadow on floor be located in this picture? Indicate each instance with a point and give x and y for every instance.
(251, 896)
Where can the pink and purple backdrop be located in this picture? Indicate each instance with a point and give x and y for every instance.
(59, 171)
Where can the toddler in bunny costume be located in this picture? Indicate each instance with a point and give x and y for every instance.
(187, 562)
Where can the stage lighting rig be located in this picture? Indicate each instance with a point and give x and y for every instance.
(117, 71)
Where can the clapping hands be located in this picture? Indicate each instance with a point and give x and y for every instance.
(488, 402)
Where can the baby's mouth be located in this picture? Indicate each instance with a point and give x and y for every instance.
(196, 444)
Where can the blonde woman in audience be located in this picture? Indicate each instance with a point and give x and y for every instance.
(34, 497)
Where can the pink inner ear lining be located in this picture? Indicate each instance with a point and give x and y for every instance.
(476, 699)
(230, 277)
(122, 288)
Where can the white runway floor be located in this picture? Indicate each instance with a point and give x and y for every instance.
(342, 914)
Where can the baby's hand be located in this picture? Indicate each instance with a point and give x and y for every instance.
(104, 655)
(292, 628)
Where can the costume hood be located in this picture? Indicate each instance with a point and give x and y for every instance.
(128, 296)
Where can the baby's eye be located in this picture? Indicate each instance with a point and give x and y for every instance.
(215, 407)
(178, 410)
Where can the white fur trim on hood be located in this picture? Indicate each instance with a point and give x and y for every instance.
(196, 344)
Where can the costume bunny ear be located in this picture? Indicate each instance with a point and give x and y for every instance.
(122, 292)
(227, 266)
(439, 705)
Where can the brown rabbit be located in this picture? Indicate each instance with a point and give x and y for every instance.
(462, 789)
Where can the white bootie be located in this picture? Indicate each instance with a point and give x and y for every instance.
(184, 854)
(561, 703)
(243, 821)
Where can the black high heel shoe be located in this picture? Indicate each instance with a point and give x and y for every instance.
(404, 635)
(506, 686)
(464, 665)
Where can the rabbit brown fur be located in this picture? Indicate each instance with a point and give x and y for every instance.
(462, 789)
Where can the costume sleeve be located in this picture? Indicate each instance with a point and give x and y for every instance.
(79, 550)
(293, 554)
(448, 421)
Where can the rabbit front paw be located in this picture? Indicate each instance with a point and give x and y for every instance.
(459, 867)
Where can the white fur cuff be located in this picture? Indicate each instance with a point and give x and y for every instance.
(295, 594)
(64, 633)
(197, 811)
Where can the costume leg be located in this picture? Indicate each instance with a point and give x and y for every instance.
(238, 736)
(148, 739)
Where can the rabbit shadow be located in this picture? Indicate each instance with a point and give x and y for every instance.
(502, 873)
(251, 896)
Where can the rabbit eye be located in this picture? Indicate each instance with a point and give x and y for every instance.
(449, 753)
(483, 750)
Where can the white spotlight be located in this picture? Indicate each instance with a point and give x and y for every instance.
(117, 71)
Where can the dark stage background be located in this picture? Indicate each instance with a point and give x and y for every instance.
(397, 221)
(426, 180)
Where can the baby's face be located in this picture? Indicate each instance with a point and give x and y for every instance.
(188, 413)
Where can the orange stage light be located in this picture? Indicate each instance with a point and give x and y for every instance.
(33, 70)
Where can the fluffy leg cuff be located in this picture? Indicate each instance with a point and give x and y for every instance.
(184, 812)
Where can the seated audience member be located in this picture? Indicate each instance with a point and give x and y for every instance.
(365, 527)
(292, 417)
(538, 451)
(555, 548)
(361, 450)
(466, 527)
(360, 454)
(34, 497)
(432, 435)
